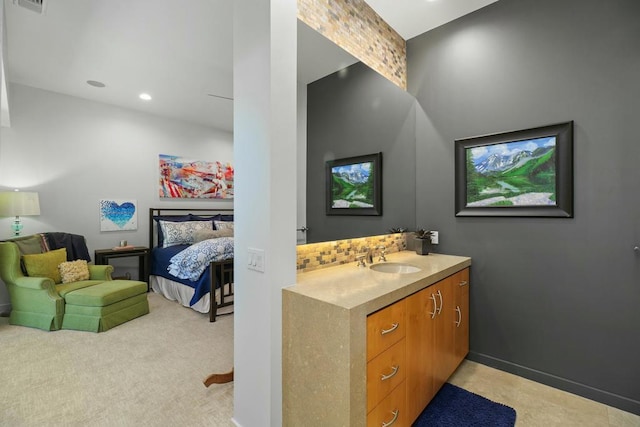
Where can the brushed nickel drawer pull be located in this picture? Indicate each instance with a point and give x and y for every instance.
(459, 316)
(464, 283)
(395, 417)
(394, 326)
(440, 295)
(391, 375)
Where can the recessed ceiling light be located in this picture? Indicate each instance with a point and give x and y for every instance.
(145, 96)
(95, 83)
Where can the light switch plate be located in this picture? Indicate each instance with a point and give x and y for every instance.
(256, 259)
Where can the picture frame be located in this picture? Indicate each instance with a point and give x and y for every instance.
(523, 173)
(354, 185)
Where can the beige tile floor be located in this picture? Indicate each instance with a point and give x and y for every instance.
(537, 404)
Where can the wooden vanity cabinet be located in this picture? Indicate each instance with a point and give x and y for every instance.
(346, 329)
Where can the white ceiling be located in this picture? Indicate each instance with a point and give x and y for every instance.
(411, 18)
(179, 52)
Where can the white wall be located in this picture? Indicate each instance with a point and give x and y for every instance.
(75, 152)
(4, 101)
(264, 90)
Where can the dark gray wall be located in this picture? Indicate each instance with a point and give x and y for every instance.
(556, 300)
(351, 113)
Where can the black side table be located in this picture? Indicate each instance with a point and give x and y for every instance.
(102, 257)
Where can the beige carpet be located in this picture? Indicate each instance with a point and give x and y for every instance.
(146, 372)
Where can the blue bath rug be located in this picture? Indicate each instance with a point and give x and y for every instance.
(457, 407)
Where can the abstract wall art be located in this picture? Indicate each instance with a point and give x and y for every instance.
(185, 178)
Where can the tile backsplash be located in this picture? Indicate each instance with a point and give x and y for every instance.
(314, 256)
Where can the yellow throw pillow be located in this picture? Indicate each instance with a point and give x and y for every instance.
(45, 264)
(74, 271)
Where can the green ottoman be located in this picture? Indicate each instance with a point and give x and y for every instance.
(101, 307)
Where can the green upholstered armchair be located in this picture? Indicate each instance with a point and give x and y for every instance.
(37, 301)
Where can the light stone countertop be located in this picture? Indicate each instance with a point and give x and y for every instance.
(350, 287)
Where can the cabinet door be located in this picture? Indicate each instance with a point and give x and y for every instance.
(461, 337)
(443, 325)
(420, 308)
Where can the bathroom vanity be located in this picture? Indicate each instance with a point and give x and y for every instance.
(365, 347)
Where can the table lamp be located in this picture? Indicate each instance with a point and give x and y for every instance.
(19, 203)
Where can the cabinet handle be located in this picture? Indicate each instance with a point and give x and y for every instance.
(394, 326)
(464, 283)
(395, 417)
(440, 308)
(391, 375)
(459, 316)
(435, 307)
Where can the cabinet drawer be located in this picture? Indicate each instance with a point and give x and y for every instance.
(390, 412)
(461, 278)
(384, 328)
(384, 373)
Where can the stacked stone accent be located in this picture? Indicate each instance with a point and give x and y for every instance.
(314, 256)
(357, 28)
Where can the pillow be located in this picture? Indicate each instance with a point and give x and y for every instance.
(45, 264)
(216, 217)
(180, 233)
(201, 235)
(29, 244)
(74, 271)
(223, 225)
(170, 218)
(212, 218)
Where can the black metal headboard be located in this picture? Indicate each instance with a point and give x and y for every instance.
(178, 212)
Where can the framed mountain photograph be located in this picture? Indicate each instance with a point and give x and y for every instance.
(354, 185)
(520, 173)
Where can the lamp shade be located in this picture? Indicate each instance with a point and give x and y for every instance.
(19, 203)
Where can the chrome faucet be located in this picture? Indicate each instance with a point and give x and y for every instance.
(365, 257)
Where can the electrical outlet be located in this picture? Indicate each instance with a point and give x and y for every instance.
(435, 237)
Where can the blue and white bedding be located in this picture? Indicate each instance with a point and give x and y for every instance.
(161, 259)
(191, 262)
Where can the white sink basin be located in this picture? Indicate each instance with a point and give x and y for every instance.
(394, 267)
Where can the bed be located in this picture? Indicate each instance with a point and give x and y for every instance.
(192, 257)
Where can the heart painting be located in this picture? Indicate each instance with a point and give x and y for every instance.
(116, 215)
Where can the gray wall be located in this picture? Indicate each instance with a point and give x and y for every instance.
(555, 300)
(351, 113)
